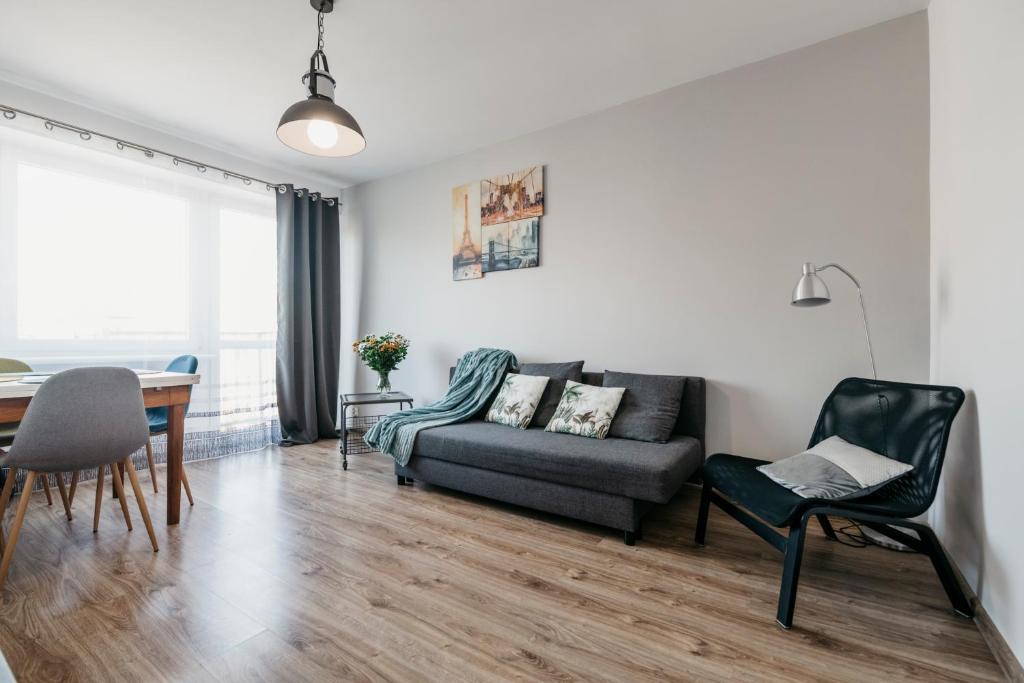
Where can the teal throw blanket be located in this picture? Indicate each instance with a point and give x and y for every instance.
(476, 377)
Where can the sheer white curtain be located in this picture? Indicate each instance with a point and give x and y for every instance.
(105, 260)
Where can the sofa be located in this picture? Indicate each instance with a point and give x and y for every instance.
(613, 482)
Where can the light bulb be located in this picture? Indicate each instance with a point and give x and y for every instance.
(323, 134)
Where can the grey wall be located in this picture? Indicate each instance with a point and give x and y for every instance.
(977, 291)
(675, 229)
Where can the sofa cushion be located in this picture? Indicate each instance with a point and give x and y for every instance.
(635, 469)
(586, 410)
(517, 400)
(558, 372)
(650, 406)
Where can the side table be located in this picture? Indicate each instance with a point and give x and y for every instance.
(367, 399)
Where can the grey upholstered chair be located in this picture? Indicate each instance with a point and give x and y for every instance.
(7, 431)
(78, 419)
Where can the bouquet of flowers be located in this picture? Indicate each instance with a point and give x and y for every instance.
(382, 354)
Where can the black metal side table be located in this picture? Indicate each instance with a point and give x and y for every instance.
(367, 399)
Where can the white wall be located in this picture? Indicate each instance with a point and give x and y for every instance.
(977, 204)
(675, 229)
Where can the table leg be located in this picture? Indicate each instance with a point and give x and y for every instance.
(175, 451)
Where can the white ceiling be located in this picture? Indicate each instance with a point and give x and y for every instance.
(426, 79)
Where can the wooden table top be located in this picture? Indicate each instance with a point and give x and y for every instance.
(148, 380)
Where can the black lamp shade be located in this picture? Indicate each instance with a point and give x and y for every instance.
(320, 127)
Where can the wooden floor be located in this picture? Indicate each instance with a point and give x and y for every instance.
(289, 569)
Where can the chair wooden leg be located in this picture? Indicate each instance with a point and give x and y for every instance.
(62, 489)
(74, 487)
(152, 466)
(119, 490)
(143, 510)
(702, 513)
(791, 573)
(184, 483)
(99, 500)
(120, 471)
(19, 517)
(46, 489)
(5, 498)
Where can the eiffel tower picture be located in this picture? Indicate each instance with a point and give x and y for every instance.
(466, 233)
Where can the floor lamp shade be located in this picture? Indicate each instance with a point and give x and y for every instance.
(810, 289)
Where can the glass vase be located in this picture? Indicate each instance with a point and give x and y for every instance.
(383, 381)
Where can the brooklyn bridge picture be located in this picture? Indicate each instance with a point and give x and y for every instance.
(512, 197)
(509, 246)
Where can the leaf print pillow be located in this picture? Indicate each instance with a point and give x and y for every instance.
(586, 410)
(516, 402)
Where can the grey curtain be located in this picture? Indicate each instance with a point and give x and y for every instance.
(308, 317)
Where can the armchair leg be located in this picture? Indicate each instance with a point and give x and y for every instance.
(99, 500)
(59, 476)
(826, 526)
(961, 605)
(184, 482)
(46, 489)
(74, 487)
(629, 537)
(19, 517)
(401, 480)
(119, 490)
(5, 498)
(152, 465)
(702, 513)
(143, 510)
(791, 573)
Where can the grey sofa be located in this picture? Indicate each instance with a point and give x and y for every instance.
(612, 482)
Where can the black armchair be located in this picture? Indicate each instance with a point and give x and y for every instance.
(907, 422)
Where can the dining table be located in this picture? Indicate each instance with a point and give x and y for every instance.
(171, 390)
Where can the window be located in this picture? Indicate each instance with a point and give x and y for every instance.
(105, 260)
(80, 240)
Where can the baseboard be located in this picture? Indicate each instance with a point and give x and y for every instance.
(1008, 661)
(1000, 649)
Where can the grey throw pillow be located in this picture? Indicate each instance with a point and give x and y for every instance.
(650, 406)
(559, 373)
(835, 469)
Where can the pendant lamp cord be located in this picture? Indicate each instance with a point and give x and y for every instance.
(320, 30)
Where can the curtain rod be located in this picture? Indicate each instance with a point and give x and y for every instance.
(10, 113)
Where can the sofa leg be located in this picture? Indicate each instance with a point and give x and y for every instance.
(629, 537)
(401, 479)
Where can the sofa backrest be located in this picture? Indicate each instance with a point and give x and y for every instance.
(692, 413)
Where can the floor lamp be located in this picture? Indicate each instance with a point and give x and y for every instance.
(811, 290)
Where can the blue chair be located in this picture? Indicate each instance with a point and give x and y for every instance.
(158, 422)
